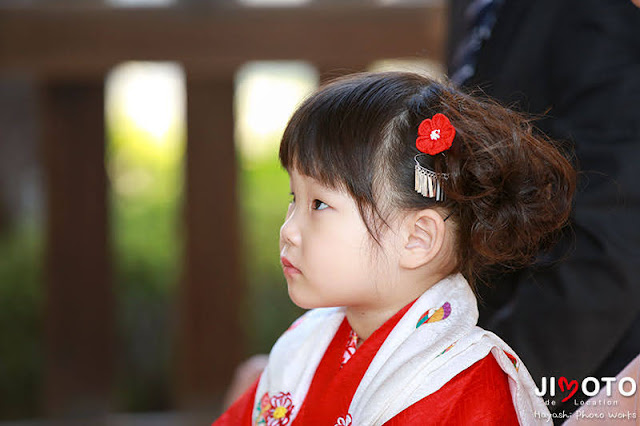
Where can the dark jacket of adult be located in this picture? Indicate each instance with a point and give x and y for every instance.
(577, 62)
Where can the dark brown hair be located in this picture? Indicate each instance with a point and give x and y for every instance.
(509, 189)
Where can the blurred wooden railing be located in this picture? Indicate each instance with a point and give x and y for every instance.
(69, 51)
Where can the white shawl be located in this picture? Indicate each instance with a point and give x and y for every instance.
(413, 362)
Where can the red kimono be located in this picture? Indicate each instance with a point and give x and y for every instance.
(479, 395)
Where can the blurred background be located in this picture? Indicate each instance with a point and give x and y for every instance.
(141, 196)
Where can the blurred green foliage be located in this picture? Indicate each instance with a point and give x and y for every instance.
(147, 251)
(145, 202)
(21, 326)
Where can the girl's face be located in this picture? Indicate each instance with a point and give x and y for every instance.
(326, 242)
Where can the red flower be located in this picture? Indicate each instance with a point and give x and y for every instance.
(435, 135)
(281, 407)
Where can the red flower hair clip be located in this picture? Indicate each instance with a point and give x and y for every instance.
(435, 135)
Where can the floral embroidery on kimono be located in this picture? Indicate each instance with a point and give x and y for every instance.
(352, 344)
(513, 359)
(435, 314)
(446, 350)
(275, 410)
(344, 421)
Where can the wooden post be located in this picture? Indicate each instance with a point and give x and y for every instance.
(79, 298)
(209, 339)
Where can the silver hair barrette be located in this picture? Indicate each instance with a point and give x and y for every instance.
(428, 182)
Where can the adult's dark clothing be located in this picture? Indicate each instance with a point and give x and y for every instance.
(577, 62)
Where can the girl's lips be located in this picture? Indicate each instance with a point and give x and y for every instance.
(288, 268)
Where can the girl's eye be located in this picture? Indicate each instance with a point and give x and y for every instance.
(319, 205)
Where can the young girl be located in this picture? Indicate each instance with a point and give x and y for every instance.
(404, 191)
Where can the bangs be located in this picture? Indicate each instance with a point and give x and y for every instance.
(336, 133)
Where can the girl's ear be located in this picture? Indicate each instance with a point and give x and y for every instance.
(423, 238)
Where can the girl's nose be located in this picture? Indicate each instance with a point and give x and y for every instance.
(290, 231)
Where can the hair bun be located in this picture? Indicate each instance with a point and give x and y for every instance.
(513, 187)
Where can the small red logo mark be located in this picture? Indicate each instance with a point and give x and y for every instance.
(564, 383)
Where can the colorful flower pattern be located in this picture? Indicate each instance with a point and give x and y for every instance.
(352, 344)
(262, 410)
(446, 350)
(435, 314)
(513, 359)
(275, 410)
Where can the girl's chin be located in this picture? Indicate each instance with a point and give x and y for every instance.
(301, 302)
(305, 301)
